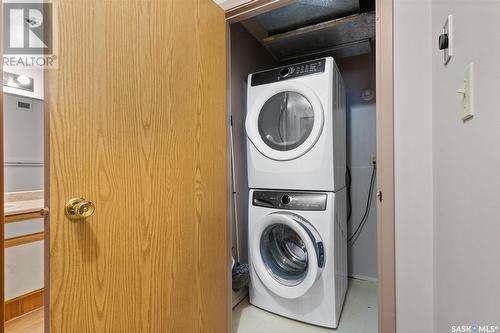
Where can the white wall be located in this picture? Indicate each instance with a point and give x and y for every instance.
(413, 165)
(26, 227)
(362, 144)
(23, 269)
(23, 142)
(467, 168)
(359, 74)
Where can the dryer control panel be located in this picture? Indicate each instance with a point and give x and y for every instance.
(290, 200)
(289, 72)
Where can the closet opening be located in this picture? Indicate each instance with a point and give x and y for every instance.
(302, 102)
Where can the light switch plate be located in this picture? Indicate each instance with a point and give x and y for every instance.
(448, 30)
(467, 93)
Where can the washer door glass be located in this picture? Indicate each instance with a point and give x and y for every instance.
(286, 120)
(284, 254)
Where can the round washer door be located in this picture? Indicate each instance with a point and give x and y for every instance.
(285, 122)
(287, 254)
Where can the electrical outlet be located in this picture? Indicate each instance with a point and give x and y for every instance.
(373, 160)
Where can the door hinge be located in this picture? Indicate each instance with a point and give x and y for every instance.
(379, 196)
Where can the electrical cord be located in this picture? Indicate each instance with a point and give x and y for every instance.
(361, 224)
(349, 203)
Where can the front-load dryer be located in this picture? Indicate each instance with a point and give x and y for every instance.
(295, 125)
(298, 254)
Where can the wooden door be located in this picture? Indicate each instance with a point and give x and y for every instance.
(137, 121)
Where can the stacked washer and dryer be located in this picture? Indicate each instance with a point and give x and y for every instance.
(296, 153)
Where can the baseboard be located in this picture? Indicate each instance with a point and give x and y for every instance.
(363, 277)
(239, 296)
(23, 304)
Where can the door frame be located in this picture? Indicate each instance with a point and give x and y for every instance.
(385, 153)
(385, 145)
(2, 218)
(386, 252)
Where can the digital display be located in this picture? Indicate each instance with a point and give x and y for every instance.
(289, 72)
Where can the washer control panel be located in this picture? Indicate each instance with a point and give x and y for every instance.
(290, 200)
(289, 72)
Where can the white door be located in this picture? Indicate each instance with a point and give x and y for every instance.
(285, 121)
(287, 254)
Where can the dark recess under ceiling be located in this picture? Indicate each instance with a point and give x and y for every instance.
(306, 28)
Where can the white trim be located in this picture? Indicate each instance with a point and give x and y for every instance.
(232, 4)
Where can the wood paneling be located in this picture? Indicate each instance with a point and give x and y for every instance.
(22, 217)
(25, 239)
(23, 304)
(385, 166)
(138, 125)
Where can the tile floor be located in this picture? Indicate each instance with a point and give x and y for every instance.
(359, 315)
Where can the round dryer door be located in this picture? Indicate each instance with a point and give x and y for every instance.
(287, 254)
(285, 123)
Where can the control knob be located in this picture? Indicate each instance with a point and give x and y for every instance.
(285, 200)
(285, 72)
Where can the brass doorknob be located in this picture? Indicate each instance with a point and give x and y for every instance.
(79, 209)
(44, 211)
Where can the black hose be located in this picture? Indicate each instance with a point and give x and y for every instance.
(349, 203)
(361, 224)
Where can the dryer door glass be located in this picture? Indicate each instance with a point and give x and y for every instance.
(286, 120)
(284, 254)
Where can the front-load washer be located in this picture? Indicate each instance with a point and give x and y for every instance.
(298, 254)
(295, 125)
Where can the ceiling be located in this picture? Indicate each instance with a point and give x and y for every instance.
(304, 13)
(341, 28)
